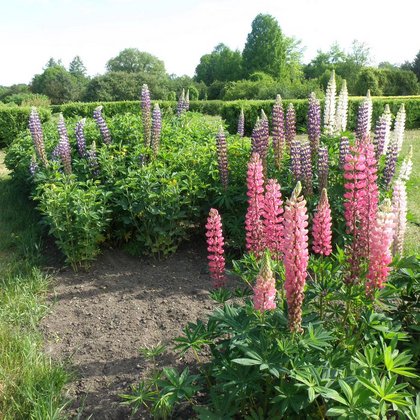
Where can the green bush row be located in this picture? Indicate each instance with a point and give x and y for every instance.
(14, 119)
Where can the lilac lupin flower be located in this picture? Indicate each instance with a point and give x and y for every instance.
(181, 104)
(37, 136)
(222, 157)
(93, 159)
(259, 140)
(278, 131)
(80, 137)
(55, 154)
(306, 167)
(64, 149)
(364, 117)
(290, 124)
(241, 123)
(390, 163)
(314, 123)
(295, 156)
(103, 128)
(322, 167)
(156, 128)
(33, 166)
(380, 134)
(344, 149)
(146, 112)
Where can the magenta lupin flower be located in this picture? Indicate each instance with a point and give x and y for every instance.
(253, 218)
(295, 159)
(314, 123)
(322, 167)
(80, 137)
(215, 243)
(278, 134)
(146, 113)
(241, 123)
(344, 149)
(37, 136)
(103, 128)
(321, 230)
(64, 146)
(265, 288)
(273, 218)
(380, 254)
(306, 167)
(379, 138)
(290, 124)
(156, 128)
(296, 256)
(222, 158)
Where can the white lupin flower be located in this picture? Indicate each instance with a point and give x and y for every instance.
(399, 128)
(406, 166)
(329, 111)
(399, 208)
(388, 118)
(341, 113)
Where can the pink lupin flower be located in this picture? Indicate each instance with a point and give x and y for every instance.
(321, 231)
(253, 217)
(265, 288)
(380, 253)
(273, 219)
(296, 255)
(215, 244)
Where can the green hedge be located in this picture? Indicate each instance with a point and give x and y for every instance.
(14, 119)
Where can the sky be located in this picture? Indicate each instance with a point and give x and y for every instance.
(180, 32)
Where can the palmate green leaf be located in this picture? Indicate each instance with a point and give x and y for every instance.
(247, 361)
(337, 412)
(332, 394)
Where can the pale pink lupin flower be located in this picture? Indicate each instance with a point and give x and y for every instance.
(215, 250)
(321, 230)
(399, 208)
(272, 218)
(253, 218)
(296, 255)
(380, 253)
(265, 288)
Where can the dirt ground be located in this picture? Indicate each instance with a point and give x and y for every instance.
(100, 319)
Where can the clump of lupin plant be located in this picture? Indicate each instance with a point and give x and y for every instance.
(64, 150)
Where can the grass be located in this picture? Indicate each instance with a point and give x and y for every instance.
(30, 385)
(412, 239)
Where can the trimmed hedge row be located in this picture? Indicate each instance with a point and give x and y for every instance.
(15, 119)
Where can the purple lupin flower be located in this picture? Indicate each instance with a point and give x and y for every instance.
(278, 131)
(93, 159)
(306, 167)
(33, 166)
(290, 124)
(146, 111)
(37, 136)
(322, 167)
(181, 104)
(259, 139)
(156, 128)
(222, 158)
(103, 128)
(55, 154)
(390, 163)
(64, 146)
(344, 149)
(295, 156)
(314, 123)
(362, 125)
(80, 137)
(241, 123)
(380, 134)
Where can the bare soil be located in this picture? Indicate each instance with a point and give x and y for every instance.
(100, 319)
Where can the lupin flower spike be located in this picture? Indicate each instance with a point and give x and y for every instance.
(265, 287)
(103, 128)
(146, 111)
(322, 222)
(222, 157)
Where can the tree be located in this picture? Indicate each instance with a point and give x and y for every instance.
(222, 64)
(77, 68)
(415, 67)
(52, 63)
(368, 80)
(57, 83)
(265, 48)
(131, 60)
